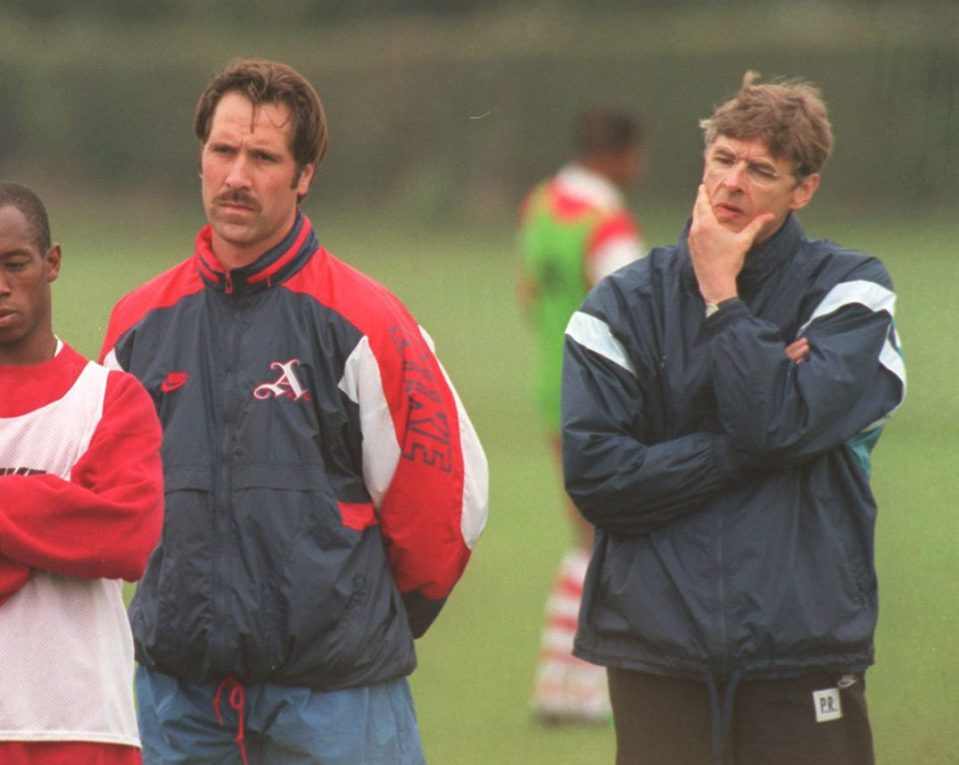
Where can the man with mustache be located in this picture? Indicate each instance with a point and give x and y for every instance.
(721, 400)
(325, 486)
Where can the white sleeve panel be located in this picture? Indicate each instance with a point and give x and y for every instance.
(362, 384)
(110, 361)
(876, 298)
(595, 334)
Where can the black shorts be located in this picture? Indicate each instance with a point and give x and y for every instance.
(818, 718)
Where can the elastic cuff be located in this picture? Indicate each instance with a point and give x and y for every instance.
(421, 611)
(729, 310)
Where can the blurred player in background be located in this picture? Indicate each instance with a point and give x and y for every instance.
(575, 229)
(81, 503)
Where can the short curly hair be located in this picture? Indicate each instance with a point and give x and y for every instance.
(789, 115)
(33, 209)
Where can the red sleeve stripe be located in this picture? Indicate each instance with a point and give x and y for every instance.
(422, 463)
(361, 382)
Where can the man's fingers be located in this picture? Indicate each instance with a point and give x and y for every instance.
(798, 350)
(701, 208)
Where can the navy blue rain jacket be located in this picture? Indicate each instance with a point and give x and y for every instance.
(729, 485)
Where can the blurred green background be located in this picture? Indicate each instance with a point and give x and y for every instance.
(441, 114)
(444, 107)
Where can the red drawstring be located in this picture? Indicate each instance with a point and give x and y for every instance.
(237, 698)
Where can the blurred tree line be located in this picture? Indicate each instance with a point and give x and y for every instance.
(287, 12)
(453, 106)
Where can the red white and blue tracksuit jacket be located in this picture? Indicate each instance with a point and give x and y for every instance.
(324, 485)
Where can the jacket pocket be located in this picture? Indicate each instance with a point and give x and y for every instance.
(170, 607)
(293, 560)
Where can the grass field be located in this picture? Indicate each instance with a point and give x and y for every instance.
(476, 664)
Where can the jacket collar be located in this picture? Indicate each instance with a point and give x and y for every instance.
(272, 267)
(762, 261)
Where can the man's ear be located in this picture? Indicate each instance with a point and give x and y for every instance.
(52, 263)
(803, 193)
(303, 179)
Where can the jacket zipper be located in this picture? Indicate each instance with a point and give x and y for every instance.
(721, 585)
(224, 488)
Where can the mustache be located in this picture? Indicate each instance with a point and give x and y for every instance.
(236, 197)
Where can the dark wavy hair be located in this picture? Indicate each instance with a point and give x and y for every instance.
(270, 82)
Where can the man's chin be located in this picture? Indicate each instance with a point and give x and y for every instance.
(233, 231)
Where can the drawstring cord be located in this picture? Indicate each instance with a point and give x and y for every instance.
(236, 699)
(721, 714)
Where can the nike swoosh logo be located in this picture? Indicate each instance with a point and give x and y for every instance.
(173, 381)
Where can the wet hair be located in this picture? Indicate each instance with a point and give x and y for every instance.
(600, 130)
(789, 115)
(28, 203)
(270, 82)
